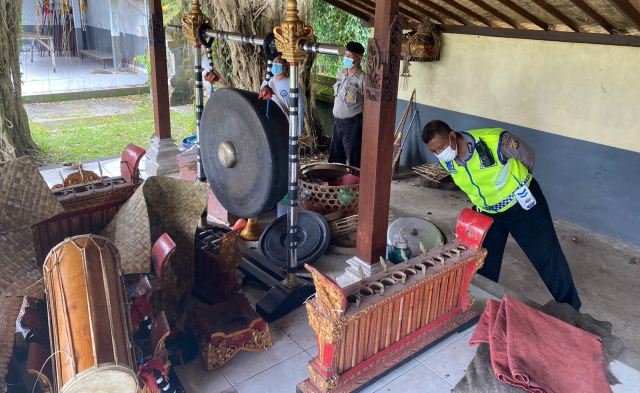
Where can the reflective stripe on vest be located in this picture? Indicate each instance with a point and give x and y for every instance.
(489, 188)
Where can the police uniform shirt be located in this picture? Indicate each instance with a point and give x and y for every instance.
(510, 147)
(280, 88)
(348, 94)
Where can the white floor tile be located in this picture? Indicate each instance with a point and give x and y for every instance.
(392, 375)
(248, 364)
(417, 380)
(313, 351)
(296, 325)
(439, 346)
(281, 378)
(451, 362)
(196, 379)
(629, 378)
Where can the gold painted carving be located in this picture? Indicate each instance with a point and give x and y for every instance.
(193, 21)
(289, 34)
(317, 380)
(217, 356)
(261, 340)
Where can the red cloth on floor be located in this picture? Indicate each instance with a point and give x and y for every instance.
(538, 352)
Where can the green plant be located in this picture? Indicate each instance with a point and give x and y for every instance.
(334, 26)
(145, 60)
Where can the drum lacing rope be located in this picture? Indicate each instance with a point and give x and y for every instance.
(73, 363)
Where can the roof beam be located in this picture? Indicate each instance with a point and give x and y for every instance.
(369, 8)
(593, 14)
(421, 10)
(444, 11)
(525, 14)
(628, 11)
(551, 10)
(472, 13)
(495, 13)
(561, 36)
(353, 11)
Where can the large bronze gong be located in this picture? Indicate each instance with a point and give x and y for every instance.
(244, 153)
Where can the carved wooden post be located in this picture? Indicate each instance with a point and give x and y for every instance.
(381, 93)
(162, 152)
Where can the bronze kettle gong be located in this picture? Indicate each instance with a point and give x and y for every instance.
(244, 152)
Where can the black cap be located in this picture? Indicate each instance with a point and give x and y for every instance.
(355, 47)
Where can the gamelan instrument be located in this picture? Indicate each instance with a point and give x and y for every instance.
(259, 185)
(244, 153)
(366, 328)
(88, 322)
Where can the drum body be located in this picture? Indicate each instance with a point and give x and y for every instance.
(88, 321)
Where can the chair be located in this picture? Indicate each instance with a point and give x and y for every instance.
(130, 162)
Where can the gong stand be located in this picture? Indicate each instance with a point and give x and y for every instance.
(294, 39)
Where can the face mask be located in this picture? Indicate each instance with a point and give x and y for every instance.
(448, 154)
(276, 69)
(347, 62)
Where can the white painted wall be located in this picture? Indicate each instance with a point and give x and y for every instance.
(129, 17)
(583, 91)
(28, 12)
(98, 14)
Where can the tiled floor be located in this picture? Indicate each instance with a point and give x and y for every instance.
(278, 370)
(72, 74)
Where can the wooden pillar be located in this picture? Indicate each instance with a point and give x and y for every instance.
(381, 94)
(159, 77)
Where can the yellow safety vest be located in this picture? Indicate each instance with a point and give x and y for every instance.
(490, 188)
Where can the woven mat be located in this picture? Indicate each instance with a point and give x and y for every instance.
(20, 274)
(25, 198)
(162, 204)
(9, 308)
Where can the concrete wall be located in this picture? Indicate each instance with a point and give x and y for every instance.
(113, 26)
(576, 104)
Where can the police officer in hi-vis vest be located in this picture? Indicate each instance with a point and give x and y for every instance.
(493, 168)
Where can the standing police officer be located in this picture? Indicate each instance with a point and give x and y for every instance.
(348, 91)
(493, 168)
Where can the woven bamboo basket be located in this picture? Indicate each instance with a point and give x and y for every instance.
(325, 198)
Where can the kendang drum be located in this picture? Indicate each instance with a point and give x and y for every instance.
(89, 324)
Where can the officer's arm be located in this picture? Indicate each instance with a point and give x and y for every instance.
(513, 147)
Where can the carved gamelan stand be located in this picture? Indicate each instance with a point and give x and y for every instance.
(293, 38)
(372, 325)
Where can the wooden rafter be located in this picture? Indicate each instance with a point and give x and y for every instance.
(551, 10)
(495, 13)
(593, 14)
(365, 5)
(444, 11)
(352, 10)
(525, 14)
(422, 10)
(628, 11)
(561, 36)
(468, 11)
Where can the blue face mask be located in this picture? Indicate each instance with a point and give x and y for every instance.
(347, 62)
(276, 69)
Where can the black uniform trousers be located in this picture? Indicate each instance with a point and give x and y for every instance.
(346, 141)
(534, 232)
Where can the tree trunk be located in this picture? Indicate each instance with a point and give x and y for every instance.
(15, 137)
(248, 64)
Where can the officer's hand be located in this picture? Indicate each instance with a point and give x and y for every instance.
(265, 93)
(211, 77)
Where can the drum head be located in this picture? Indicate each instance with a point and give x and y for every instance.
(244, 153)
(313, 238)
(103, 379)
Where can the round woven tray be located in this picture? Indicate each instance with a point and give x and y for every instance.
(323, 198)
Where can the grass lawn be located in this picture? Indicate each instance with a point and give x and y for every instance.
(69, 137)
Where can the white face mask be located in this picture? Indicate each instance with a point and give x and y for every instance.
(448, 154)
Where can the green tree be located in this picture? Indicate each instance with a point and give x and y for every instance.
(331, 25)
